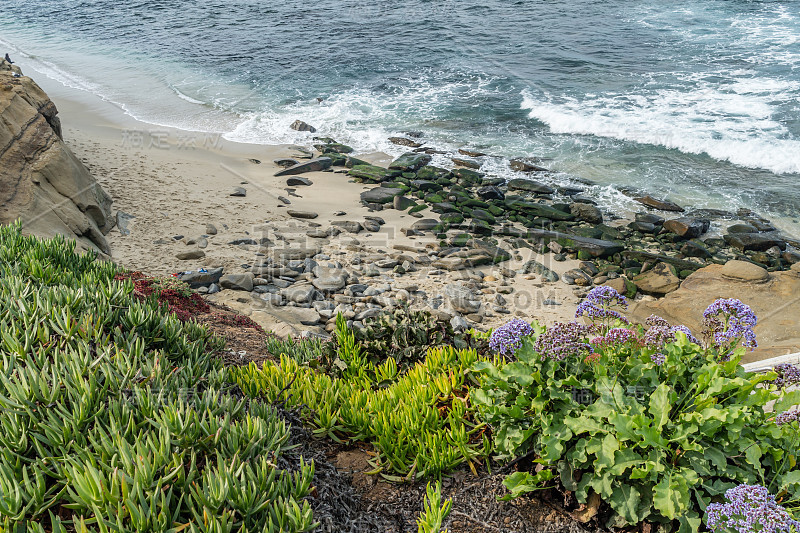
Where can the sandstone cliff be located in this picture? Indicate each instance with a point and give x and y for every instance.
(41, 181)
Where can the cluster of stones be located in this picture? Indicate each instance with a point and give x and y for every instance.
(307, 286)
(481, 220)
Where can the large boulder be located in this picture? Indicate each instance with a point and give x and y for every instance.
(689, 228)
(410, 161)
(462, 299)
(237, 282)
(299, 125)
(659, 280)
(759, 242)
(744, 271)
(380, 195)
(586, 212)
(41, 182)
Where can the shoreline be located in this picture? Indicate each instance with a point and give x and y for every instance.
(174, 183)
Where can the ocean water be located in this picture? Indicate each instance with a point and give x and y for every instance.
(698, 101)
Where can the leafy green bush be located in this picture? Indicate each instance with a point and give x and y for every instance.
(419, 422)
(404, 334)
(655, 424)
(114, 414)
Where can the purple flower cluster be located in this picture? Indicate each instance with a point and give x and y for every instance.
(727, 321)
(787, 417)
(658, 358)
(661, 332)
(750, 509)
(787, 375)
(563, 339)
(508, 338)
(686, 331)
(616, 336)
(598, 303)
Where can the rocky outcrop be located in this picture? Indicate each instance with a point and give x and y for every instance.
(774, 296)
(41, 182)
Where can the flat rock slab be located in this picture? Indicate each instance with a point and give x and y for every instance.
(239, 192)
(468, 163)
(530, 186)
(299, 182)
(368, 172)
(295, 253)
(525, 165)
(190, 254)
(402, 141)
(308, 215)
(661, 205)
(314, 165)
(759, 242)
(286, 162)
(536, 209)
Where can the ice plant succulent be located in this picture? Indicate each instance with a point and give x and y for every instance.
(598, 305)
(508, 338)
(750, 509)
(727, 322)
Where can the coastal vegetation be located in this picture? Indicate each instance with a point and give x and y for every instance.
(117, 416)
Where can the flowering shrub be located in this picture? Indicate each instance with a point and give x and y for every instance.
(787, 375)
(750, 509)
(727, 322)
(599, 303)
(645, 417)
(508, 337)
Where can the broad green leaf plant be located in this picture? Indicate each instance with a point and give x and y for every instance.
(654, 422)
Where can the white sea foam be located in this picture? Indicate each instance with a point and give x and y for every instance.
(734, 125)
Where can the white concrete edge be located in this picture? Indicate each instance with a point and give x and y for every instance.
(767, 364)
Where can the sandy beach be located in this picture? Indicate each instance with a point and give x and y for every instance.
(174, 183)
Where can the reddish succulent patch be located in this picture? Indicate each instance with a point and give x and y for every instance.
(185, 304)
(236, 320)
